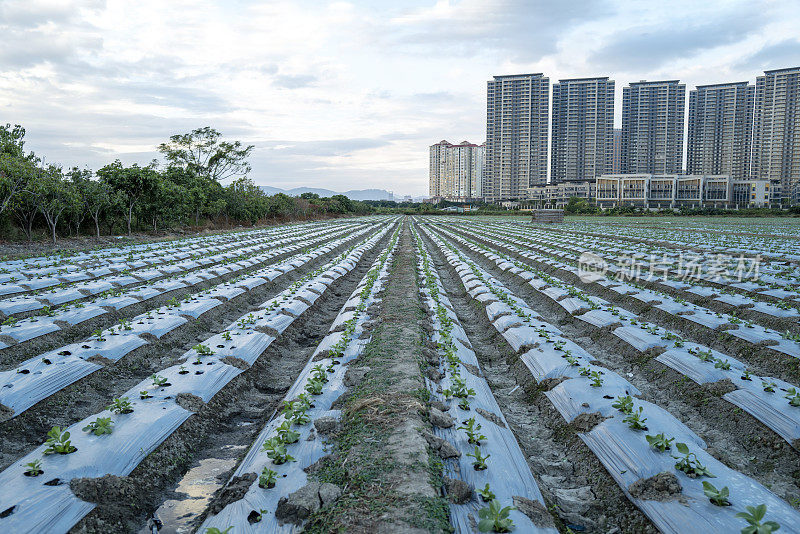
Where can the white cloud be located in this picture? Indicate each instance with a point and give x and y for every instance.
(346, 94)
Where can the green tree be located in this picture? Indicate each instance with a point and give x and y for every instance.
(134, 183)
(97, 198)
(54, 196)
(202, 152)
(16, 167)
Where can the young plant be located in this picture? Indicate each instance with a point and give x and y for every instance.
(144, 394)
(120, 405)
(689, 464)
(769, 387)
(183, 370)
(276, 451)
(58, 442)
(494, 518)
(597, 379)
(98, 335)
(635, 420)
(226, 336)
(717, 497)
(746, 375)
(286, 434)
(659, 442)
(314, 386)
(215, 530)
(585, 371)
(100, 426)
(753, 516)
(203, 350)
(725, 365)
(158, 380)
(33, 469)
(480, 461)
(486, 494)
(267, 478)
(464, 404)
(472, 429)
(623, 404)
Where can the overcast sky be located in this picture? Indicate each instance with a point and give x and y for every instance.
(343, 95)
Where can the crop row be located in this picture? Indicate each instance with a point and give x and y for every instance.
(620, 422)
(41, 376)
(34, 492)
(488, 457)
(292, 440)
(68, 321)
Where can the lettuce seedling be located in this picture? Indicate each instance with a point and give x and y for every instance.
(183, 370)
(659, 442)
(597, 379)
(717, 497)
(464, 404)
(314, 386)
(689, 464)
(480, 461)
(794, 397)
(144, 394)
(725, 365)
(100, 426)
(635, 420)
(267, 478)
(286, 434)
(226, 336)
(203, 350)
(34, 469)
(623, 404)
(769, 387)
(472, 429)
(120, 405)
(486, 494)
(215, 530)
(753, 516)
(276, 451)
(58, 442)
(158, 380)
(494, 518)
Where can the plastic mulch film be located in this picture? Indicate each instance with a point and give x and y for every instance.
(310, 446)
(135, 436)
(508, 474)
(628, 458)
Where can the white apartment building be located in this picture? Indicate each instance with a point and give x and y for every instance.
(776, 132)
(517, 109)
(456, 171)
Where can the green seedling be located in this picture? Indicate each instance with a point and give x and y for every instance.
(33, 469)
(226, 336)
(158, 380)
(215, 530)
(472, 429)
(314, 386)
(689, 464)
(717, 497)
(276, 451)
(753, 516)
(58, 442)
(623, 404)
(794, 397)
(725, 365)
(100, 426)
(494, 518)
(144, 394)
(267, 478)
(480, 461)
(585, 370)
(120, 405)
(597, 379)
(659, 442)
(203, 350)
(769, 387)
(286, 434)
(486, 494)
(464, 404)
(573, 361)
(635, 420)
(746, 375)
(98, 335)
(183, 370)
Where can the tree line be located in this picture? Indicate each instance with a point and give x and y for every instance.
(184, 190)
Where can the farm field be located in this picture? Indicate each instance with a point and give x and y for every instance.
(408, 374)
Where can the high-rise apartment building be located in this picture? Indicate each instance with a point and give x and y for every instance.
(516, 135)
(456, 171)
(776, 132)
(583, 129)
(652, 127)
(720, 126)
(616, 158)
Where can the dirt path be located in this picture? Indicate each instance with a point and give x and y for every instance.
(381, 456)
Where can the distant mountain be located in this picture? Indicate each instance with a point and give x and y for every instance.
(355, 194)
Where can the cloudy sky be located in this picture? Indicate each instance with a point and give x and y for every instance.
(343, 95)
